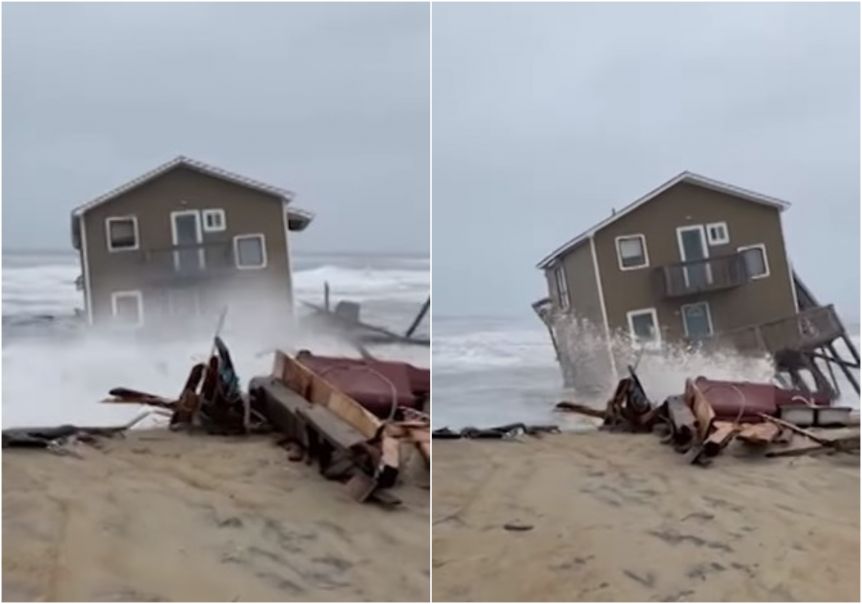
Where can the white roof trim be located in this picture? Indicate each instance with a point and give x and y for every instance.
(282, 194)
(688, 177)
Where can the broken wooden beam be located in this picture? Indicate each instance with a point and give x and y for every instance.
(581, 409)
(681, 420)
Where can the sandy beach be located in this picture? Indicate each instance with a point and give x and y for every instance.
(620, 517)
(164, 516)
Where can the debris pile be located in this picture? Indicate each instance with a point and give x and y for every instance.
(211, 398)
(323, 407)
(60, 439)
(507, 431)
(321, 422)
(710, 414)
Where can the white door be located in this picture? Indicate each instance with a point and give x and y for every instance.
(187, 235)
(693, 247)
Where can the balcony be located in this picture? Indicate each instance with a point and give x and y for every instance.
(807, 330)
(187, 263)
(698, 276)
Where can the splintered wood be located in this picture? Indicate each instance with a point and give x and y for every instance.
(334, 428)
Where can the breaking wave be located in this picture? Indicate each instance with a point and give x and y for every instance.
(43, 290)
(361, 284)
(489, 348)
(36, 288)
(489, 372)
(55, 372)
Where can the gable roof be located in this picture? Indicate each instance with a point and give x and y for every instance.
(687, 177)
(297, 214)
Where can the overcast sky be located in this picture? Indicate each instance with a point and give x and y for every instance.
(328, 100)
(547, 116)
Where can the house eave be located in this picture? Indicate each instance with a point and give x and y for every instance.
(688, 177)
(281, 194)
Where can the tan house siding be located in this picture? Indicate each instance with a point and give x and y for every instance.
(683, 205)
(580, 274)
(247, 211)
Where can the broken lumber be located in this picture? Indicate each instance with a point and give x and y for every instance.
(582, 409)
(703, 411)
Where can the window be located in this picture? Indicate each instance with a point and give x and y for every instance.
(716, 233)
(249, 251)
(127, 308)
(562, 287)
(122, 233)
(643, 326)
(755, 260)
(696, 320)
(184, 302)
(632, 252)
(214, 221)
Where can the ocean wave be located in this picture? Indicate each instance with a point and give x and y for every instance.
(489, 349)
(42, 290)
(49, 289)
(362, 284)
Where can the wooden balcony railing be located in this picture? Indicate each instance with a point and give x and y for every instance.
(697, 276)
(806, 330)
(187, 262)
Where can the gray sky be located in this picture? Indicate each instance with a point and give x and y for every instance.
(547, 116)
(328, 100)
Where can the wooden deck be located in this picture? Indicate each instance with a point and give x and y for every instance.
(806, 330)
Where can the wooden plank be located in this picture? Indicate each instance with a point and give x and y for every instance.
(320, 392)
(682, 420)
(795, 428)
(579, 408)
(759, 434)
(701, 408)
(331, 427)
(846, 444)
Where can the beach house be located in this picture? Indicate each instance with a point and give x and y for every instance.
(696, 262)
(183, 241)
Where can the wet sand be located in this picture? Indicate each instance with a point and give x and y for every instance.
(621, 517)
(164, 516)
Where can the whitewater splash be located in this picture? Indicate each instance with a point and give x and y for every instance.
(54, 376)
(494, 371)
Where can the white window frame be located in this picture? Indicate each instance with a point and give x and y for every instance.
(722, 241)
(213, 212)
(560, 279)
(656, 342)
(762, 247)
(262, 239)
(132, 293)
(708, 316)
(111, 247)
(620, 254)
